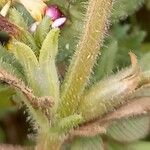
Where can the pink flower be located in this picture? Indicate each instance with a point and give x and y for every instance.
(53, 12)
(59, 22)
(56, 16)
(33, 27)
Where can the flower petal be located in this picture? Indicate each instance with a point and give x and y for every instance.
(59, 22)
(35, 8)
(5, 9)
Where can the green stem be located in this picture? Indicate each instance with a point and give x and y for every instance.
(85, 56)
(47, 141)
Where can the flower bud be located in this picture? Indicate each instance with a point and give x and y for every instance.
(53, 12)
(33, 27)
(59, 22)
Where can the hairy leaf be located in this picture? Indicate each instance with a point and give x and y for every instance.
(25, 55)
(126, 42)
(17, 18)
(123, 8)
(85, 143)
(29, 61)
(139, 145)
(109, 93)
(42, 30)
(107, 61)
(28, 39)
(11, 64)
(49, 47)
(23, 11)
(144, 62)
(47, 56)
(68, 123)
(6, 94)
(128, 130)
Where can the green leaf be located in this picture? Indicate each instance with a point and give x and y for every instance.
(28, 39)
(107, 61)
(11, 64)
(47, 56)
(49, 47)
(42, 30)
(36, 117)
(16, 18)
(131, 129)
(25, 55)
(29, 61)
(68, 123)
(139, 145)
(108, 93)
(86, 143)
(145, 62)
(25, 14)
(142, 92)
(123, 8)
(6, 94)
(126, 42)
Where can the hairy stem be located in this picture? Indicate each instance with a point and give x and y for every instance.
(8, 27)
(49, 141)
(43, 102)
(134, 108)
(85, 55)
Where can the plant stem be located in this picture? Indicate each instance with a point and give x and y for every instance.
(47, 141)
(8, 27)
(85, 56)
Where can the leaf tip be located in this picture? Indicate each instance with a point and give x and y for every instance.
(133, 58)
